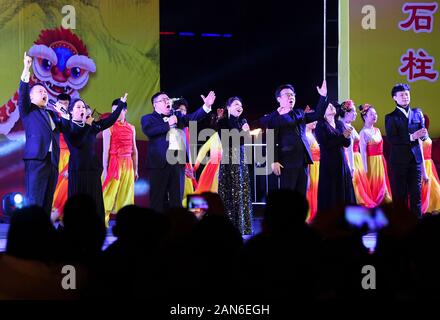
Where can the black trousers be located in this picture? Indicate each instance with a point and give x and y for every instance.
(167, 185)
(41, 178)
(406, 183)
(295, 179)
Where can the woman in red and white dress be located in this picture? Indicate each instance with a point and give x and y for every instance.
(430, 181)
(347, 113)
(371, 147)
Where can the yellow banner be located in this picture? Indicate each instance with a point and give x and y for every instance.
(387, 42)
(94, 49)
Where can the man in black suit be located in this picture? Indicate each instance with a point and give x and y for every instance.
(166, 152)
(42, 150)
(292, 153)
(404, 127)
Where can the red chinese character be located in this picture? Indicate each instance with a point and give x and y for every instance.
(418, 66)
(420, 17)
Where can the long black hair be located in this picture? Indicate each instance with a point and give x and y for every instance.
(72, 104)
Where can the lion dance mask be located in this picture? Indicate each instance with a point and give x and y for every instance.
(61, 62)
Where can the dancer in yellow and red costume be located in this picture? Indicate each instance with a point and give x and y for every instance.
(371, 146)
(120, 163)
(430, 179)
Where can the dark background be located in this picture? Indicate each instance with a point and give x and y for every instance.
(272, 43)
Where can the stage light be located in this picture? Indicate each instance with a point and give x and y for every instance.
(18, 199)
(11, 202)
(211, 35)
(187, 34)
(194, 34)
(141, 187)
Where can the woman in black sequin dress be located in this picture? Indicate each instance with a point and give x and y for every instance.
(234, 183)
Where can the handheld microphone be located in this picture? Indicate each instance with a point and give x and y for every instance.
(173, 107)
(419, 110)
(173, 113)
(174, 100)
(53, 103)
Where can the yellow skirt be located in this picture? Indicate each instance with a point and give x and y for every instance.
(312, 191)
(378, 178)
(188, 189)
(431, 190)
(361, 184)
(60, 194)
(119, 192)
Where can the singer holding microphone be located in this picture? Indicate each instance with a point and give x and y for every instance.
(84, 167)
(234, 182)
(166, 151)
(404, 127)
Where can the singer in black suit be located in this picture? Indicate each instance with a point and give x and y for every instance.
(292, 154)
(166, 152)
(42, 150)
(404, 127)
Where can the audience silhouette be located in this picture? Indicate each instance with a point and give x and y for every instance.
(178, 255)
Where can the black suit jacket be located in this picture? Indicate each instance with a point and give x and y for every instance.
(398, 128)
(37, 127)
(292, 148)
(156, 130)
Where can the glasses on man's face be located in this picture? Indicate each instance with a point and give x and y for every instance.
(288, 94)
(164, 100)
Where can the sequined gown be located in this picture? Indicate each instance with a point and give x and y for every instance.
(234, 183)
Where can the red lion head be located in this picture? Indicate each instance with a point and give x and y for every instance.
(61, 61)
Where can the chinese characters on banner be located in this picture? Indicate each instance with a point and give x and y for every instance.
(418, 64)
